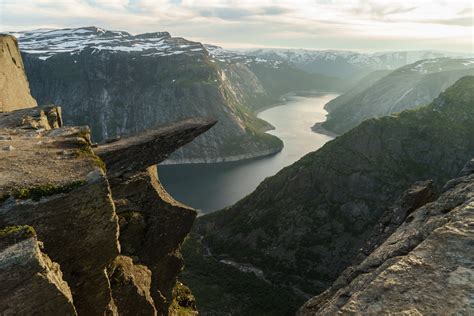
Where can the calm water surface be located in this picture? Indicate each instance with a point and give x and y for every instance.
(209, 187)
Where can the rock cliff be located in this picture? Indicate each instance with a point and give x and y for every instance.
(87, 230)
(14, 89)
(113, 234)
(424, 267)
(302, 227)
(121, 84)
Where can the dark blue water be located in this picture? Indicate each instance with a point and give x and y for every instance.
(209, 187)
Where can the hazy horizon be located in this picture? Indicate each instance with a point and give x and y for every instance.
(357, 25)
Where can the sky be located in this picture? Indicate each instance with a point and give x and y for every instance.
(362, 25)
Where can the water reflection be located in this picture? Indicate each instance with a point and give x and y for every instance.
(209, 187)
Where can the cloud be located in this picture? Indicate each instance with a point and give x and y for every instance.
(351, 24)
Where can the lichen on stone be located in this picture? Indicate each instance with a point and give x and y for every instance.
(44, 190)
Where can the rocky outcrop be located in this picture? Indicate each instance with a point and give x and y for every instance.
(52, 181)
(424, 267)
(32, 284)
(304, 226)
(14, 89)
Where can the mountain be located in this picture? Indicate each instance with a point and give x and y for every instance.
(14, 88)
(302, 227)
(344, 64)
(119, 84)
(414, 269)
(405, 88)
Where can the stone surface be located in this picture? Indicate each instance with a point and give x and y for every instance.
(53, 182)
(136, 153)
(130, 284)
(426, 267)
(32, 284)
(153, 225)
(14, 88)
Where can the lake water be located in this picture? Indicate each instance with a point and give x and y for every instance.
(210, 187)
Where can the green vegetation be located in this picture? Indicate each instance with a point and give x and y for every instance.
(37, 192)
(183, 303)
(304, 225)
(22, 231)
(221, 288)
(86, 152)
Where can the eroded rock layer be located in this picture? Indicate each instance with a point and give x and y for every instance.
(29, 275)
(424, 268)
(51, 180)
(14, 89)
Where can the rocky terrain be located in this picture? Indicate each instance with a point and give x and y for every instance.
(89, 230)
(302, 227)
(120, 84)
(433, 246)
(14, 89)
(405, 88)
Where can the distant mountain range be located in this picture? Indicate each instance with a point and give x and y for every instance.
(346, 64)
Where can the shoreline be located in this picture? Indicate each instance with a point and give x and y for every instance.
(234, 158)
(261, 154)
(318, 128)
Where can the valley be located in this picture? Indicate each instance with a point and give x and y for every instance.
(228, 182)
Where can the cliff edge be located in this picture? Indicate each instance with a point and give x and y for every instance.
(87, 230)
(14, 88)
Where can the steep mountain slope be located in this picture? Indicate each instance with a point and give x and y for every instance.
(405, 88)
(303, 226)
(14, 89)
(120, 83)
(427, 260)
(344, 64)
(357, 88)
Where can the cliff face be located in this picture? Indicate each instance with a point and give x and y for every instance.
(120, 84)
(424, 267)
(73, 257)
(302, 227)
(14, 89)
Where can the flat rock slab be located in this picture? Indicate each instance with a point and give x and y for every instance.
(136, 153)
(40, 159)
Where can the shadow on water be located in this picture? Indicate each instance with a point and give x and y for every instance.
(209, 187)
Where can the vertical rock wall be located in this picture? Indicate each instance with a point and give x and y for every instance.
(14, 89)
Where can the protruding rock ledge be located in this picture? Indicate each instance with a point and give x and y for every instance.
(136, 153)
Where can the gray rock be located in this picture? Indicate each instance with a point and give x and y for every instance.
(32, 284)
(14, 89)
(424, 267)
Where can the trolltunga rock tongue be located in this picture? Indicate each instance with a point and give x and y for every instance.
(136, 153)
